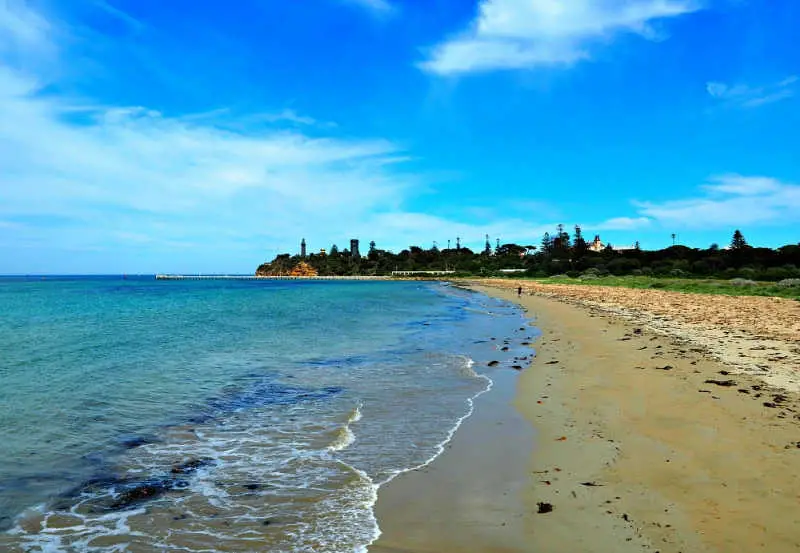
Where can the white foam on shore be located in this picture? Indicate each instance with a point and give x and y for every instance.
(440, 447)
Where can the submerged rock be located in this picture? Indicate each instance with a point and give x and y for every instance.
(191, 466)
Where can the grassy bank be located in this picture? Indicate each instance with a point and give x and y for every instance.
(735, 287)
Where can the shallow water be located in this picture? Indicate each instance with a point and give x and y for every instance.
(143, 415)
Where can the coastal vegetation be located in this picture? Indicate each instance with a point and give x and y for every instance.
(735, 268)
(787, 288)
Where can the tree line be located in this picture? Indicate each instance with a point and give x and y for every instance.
(557, 254)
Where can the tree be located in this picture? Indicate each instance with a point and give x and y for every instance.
(547, 244)
(579, 245)
(714, 247)
(334, 250)
(372, 247)
(561, 243)
(738, 242)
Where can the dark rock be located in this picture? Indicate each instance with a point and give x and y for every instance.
(724, 373)
(132, 442)
(493, 363)
(140, 492)
(637, 330)
(517, 367)
(590, 484)
(544, 508)
(191, 466)
(770, 405)
(504, 348)
(725, 383)
(252, 486)
(551, 362)
(664, 368)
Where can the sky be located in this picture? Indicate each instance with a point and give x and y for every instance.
(142, 136)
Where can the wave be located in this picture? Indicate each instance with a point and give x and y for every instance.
(345, 436)
(439, 448)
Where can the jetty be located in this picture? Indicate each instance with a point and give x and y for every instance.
(271, 277)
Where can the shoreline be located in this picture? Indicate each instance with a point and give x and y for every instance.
(634, 450)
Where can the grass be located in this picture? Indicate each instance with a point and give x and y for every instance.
(692, 286)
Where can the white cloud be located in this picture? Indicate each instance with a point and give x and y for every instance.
(378, 7)
(518, 34)
(291, 116)
(623, 223)
(746, 96)
(732, 201)
(22, 29)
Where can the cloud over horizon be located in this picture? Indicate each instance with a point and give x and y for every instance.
(730, 201)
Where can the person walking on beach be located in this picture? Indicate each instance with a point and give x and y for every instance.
(519, 292)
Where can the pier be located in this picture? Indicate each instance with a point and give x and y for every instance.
(279, 277)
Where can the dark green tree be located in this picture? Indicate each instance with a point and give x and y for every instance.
(738, 242)
(547, 244)
(334, 250)
(579, 245)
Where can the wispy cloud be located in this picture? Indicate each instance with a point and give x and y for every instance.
(377, 7)
(24, 33)
(519, 34)
(623, 223)
(730, 201)
(746, 96)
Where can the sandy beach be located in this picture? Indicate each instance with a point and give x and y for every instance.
(632, 430)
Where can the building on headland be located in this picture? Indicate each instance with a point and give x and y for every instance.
(303, 247)
(354, 249)
(597, 245)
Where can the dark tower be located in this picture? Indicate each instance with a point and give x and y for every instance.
(303, 247)
(458, 243)
(498, 246)
(354, 249)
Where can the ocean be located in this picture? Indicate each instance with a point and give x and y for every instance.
(202, 416)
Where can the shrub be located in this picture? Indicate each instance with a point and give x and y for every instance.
(677, 273)
(559, 276)
(789, 283)
(658, 284)
(746, 272)
(742, 282)
(591, 271)
(637, 272)
(589, 276)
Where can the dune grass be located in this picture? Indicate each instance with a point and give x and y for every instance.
(693, 286)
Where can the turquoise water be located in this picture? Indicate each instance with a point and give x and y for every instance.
(144, 415)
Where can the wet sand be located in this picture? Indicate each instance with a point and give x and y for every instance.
(639, 441)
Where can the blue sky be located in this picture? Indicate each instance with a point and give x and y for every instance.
(199, 136)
